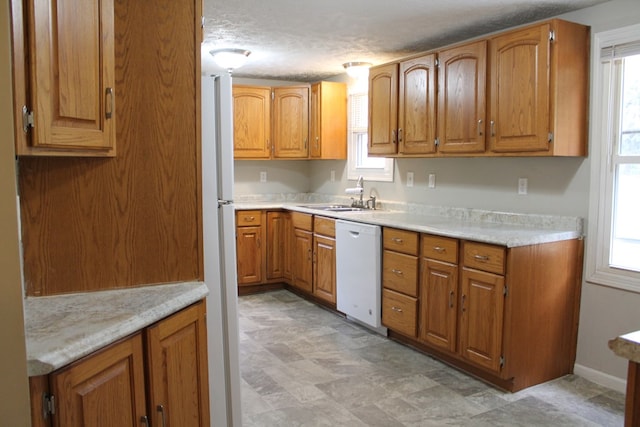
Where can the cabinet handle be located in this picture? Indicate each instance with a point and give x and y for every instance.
(258, 242)
(399, 134)
(398, 272)
(493, 127)
(160, 409)
(451, 299)
(439, 249)
(482, 258)
(317, 142)
(397, 309)
(480, 127)
(305, 143)
(397, 240)
(308, 254)
(464, 297)
(249, 218)
(144, 419)
(109, 101)
(393, 136)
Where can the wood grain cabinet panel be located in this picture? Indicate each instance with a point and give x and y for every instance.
(249, 255)
(251, 122)
(324, 269)
(439, 304)
(275, 245)
(383, 109)
(291, 122)
(302, 264)
(462, 99)
(328, 121)
(399, 312)
(71, 76)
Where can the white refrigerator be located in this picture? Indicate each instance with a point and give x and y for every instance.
(219, 246)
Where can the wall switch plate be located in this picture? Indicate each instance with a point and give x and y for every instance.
(523, 185)
(409, 179)
(263, 176)
(432, 180)
(333, 176)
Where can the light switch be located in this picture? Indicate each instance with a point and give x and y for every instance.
(409, 179)
(263, 176)
(432, 180)
(523, 185)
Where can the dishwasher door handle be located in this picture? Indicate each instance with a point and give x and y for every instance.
(354, 233)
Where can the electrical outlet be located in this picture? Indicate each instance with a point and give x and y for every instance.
(432, 180)
(263, 176)
(523, 186)
(333, 176)
(409, 179)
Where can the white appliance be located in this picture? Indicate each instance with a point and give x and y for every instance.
(219, 244)
(358, 273)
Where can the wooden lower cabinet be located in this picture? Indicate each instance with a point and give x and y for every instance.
(249, 249)
(275, 245)
(439, 303)
(108, 387)
(324, 259)
(302, 265)
(399, 312)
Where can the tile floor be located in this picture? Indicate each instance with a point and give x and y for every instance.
(302, 365)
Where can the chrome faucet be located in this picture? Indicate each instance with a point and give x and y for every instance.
(359, 189)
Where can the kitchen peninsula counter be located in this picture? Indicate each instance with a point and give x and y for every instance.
(63, 328)
(499, 228)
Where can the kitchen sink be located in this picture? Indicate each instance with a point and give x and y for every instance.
(334, 208)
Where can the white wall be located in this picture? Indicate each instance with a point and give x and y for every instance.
(283, 176)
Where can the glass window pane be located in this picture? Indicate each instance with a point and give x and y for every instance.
(625, 241)
(630, 126)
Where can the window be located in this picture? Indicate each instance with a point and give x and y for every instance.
(359, 163)
(614, 248)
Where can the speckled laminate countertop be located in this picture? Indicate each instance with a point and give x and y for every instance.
(500, 228)
(61, 329)
(627, 346)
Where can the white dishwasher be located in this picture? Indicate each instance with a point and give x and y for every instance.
(358, 272)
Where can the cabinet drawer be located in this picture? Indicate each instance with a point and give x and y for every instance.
(439, 248)
(400, 240)
(484, 257)
(302, 221)
(400, 272)
(244, 218)
(399, 312)
(324, 226)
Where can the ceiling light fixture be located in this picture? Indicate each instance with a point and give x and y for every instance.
(357, 69)
(230, 58)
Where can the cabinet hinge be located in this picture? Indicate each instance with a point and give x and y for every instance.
(437, 63)
(27, 119)
(505, 291)
(501, 361)
(552, 36)
(48, 405)
(550, 137)
(273, 95)
(436, 142)
(202, 22)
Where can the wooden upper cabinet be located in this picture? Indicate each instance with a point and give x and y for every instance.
(291, 122)
(251, 122)
(416, 132)
(462, 98)
(383, 109)
(539, 90)
(69, 68)
(328, 121)
(105, 389)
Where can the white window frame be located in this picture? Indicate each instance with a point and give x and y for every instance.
(353, 170)
(598, 269)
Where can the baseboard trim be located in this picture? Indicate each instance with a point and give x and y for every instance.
(601, 378)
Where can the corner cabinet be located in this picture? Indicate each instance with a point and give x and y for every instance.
(64, 67)
(109, 388)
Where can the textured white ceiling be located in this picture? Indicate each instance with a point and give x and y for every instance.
(306, 40)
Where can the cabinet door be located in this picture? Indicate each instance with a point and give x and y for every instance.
(324, 271)
(177, 365)
(302, 263)
(481, 318)
(328, 121)
(103, 390)
(383, 109)
(461, 98)
(438, 305)
(417, 106)
(291, 122)
(288, 243)
(249, 254)
(251, 122)
(519, 91)
(276, 245)
(72, 76)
